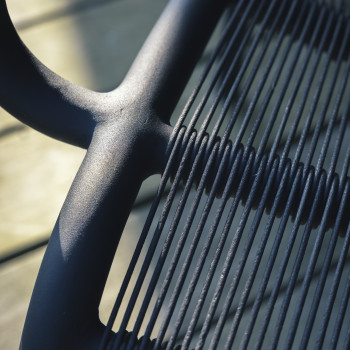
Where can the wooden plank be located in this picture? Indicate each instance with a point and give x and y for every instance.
(35, 174)
(29, 13)
(16, 284)
(32, 12)
(94, 48)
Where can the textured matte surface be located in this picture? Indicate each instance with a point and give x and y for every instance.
(127, 136)
(84, 47)
(294, 203)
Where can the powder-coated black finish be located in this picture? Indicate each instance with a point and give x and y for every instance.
(126, 132)
(251, 258)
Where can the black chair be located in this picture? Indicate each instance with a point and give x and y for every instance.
(248, 247)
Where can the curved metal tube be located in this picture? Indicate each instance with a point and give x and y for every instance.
(126, 132)
(39, 97)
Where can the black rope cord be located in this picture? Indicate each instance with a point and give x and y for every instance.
(250, 248)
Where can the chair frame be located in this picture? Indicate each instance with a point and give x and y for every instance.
(126, 133)
(128, 137)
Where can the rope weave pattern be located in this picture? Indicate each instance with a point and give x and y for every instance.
(249, 249)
